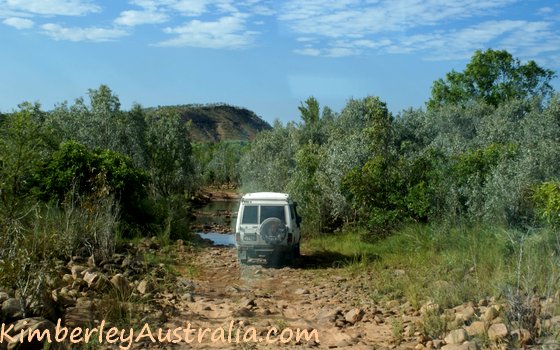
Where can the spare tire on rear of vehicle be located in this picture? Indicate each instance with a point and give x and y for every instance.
(272, 231)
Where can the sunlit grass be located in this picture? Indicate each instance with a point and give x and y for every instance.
(447, 265)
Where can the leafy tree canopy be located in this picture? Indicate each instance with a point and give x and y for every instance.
(493, 76)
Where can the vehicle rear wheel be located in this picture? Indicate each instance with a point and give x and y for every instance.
(275, 259)
(297, 252)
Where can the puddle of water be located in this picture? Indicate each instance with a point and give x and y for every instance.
(219, 238)
(222, 213)
(214, 218)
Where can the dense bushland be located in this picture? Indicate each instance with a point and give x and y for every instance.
(75, 180)
(218, 163)
(471, 158)
(463, 197)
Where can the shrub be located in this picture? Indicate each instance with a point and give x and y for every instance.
(95, 175)
(547, 200)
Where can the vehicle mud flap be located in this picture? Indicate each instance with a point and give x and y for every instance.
(242, 256)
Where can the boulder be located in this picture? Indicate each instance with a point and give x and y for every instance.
(3, 297)
(11, 309)
(80, 315)
(144, 287)
(476, 328)
(457, 336)
(490, 314)
(354, 315)
(521, 336)
(62, 298)
(121, 284)
(90, 277)
(77, 271)
(497, 331)
(28, 326)
(464, 313)
(468, 345)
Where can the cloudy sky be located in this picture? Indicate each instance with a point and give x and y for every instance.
(265, 55)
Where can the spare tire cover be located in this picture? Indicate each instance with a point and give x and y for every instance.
(272, 231)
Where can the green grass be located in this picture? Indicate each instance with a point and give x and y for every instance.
(447, 265)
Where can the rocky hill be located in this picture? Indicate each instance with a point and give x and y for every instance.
(218, 122)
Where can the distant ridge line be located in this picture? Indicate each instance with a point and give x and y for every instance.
(216, 122)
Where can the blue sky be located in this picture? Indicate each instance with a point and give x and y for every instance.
(267, 56)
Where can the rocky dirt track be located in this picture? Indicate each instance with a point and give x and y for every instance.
(208, 289)
(310, 296)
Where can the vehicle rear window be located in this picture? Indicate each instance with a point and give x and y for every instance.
(273, 211)
(250, 214)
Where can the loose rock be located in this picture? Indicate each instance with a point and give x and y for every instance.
(121, 284)
(457, 336)
(476, 328)
(144, 287)
(11, 309)
(28, 326)
(490, 314)
(354, 315)
(497, 331)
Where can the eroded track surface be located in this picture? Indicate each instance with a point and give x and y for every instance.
(312, 296)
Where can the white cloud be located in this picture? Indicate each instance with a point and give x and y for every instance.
(545, 10)
(308, 52)
(52, 7)
(357, 18)
(196, 8)
(227, 32)
(522, 38)
(304, 39)
(18, 23)
(191, 7)
(134, 18)
(94, 34)
(341, 52)
(437, 28)
(147, 4)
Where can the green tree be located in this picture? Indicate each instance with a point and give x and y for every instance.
(102, 124)
(169, 154)
(170, 165)
(269, 163)
(493, 76)
(75, 171)
(310, 111)
(22, 147)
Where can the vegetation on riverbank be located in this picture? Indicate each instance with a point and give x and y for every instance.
(450, 265)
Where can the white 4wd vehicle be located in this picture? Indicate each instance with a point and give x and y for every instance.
(267, 227)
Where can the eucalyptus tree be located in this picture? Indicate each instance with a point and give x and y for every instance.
(101, 124)
(492, 76)
(269, 163)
